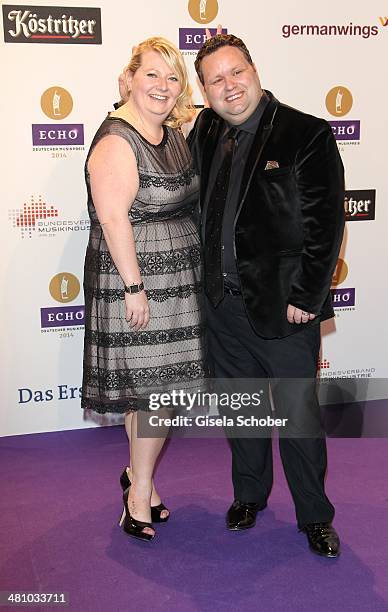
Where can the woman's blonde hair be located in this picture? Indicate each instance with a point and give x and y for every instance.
(183, 110)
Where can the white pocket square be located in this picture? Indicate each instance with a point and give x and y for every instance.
(270, 165)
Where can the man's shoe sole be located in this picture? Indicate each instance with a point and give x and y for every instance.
(241, 528)
(320, 554)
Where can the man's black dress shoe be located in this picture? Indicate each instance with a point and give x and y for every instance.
(242, 515)
(323, 539)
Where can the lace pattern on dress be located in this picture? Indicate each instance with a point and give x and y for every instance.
(158, 295)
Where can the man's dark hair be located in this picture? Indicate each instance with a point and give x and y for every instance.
(216, 42)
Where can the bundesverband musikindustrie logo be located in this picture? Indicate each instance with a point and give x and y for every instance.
(37, 217)
(326, 370)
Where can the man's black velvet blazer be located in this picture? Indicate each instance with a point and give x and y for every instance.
(290, 219)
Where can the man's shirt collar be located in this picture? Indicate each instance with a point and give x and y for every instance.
(251, 124)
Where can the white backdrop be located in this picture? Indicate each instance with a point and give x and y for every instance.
(41, 366)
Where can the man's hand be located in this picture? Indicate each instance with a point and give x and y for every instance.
(123, 87)
(296, 315)
(208, 34)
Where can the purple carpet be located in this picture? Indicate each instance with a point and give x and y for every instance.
(60, 503)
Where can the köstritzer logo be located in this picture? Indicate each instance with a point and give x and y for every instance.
(360, 204)
(339, 101)
(51, 24)
(203, 11)
(56, 103)
(64, 287)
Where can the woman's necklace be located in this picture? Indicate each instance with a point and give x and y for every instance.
(137, 119)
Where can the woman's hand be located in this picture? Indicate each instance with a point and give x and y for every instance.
(137, 311)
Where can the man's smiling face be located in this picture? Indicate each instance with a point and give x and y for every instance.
(231, 83)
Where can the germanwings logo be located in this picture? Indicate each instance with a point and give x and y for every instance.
(384, 21)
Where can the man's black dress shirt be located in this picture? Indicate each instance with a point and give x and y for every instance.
(245, 136)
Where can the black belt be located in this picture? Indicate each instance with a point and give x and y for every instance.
(232, 290)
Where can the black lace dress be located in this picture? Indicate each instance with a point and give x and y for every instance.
(121, 366)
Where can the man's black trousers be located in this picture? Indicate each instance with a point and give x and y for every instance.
(236, 351)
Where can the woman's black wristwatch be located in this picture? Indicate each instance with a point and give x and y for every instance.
(134, 288)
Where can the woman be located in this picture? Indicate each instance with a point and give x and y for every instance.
(143, 327)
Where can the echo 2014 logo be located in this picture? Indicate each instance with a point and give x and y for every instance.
(203, 12)
(342, 297)
(57, 103)
(339, 102)
(64, 288)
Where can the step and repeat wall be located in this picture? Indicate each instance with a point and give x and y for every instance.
(59, 74)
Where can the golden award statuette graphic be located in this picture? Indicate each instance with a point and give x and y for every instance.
(64, 287)
(339, 101)
(56, 103)
(203, 11)
(340, 273)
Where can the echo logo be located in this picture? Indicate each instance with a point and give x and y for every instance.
(340, 272)
(203, 11)
(343, 297)
(192, 39)
(64, 135)
(56, 103)
(346, 129)
(64, 287)
(339, 101)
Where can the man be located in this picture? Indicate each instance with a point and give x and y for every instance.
(272, 194)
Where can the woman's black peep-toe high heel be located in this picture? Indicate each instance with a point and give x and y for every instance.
(156, 511)
(132, 526)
